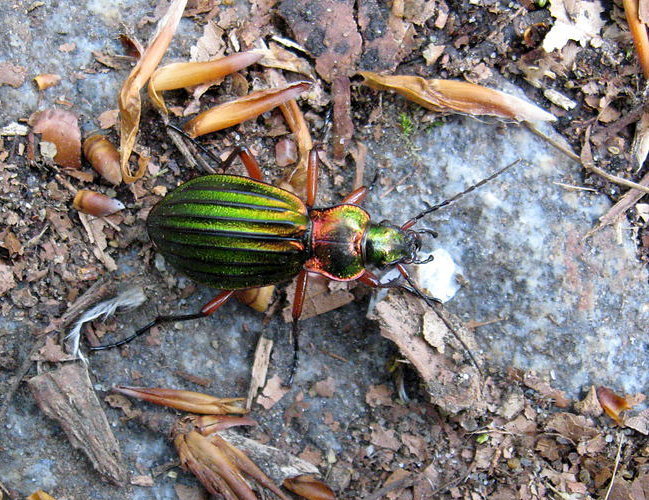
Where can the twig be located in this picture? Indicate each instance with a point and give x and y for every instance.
(406, 482)
(589, 166)
(552, 142)
(639, 34)
(615, 179)
(617, 464)
(193, 160)
(629, 199)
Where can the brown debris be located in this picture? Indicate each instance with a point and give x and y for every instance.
(453, 388)
(61, 128)
(46, 80)
(322, 296)
(66, 395)
(325, 388)
(328, 30)
(12, 75)
(103, 157)
(532, 381)
(259, 368)
(188, 401)
(97, 204)
(273, 392)
(309, 487)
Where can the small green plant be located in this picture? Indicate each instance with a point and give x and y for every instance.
(406, 124)
(482, 438)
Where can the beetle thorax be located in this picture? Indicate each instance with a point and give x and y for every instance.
(387, 244)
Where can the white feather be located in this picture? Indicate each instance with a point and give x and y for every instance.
(128, 299)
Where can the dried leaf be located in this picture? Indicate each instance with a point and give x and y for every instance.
(309, 487)
(296, 122)
(328, 28)
(259, 368)
(281, 58)
(7, 281)
(237, 111)
(129, 101)
(61, 128)
(400, 319)
(450, 96)
(194, 402)
(257, 298)
(97, 204)
(322, 296)
(577, 20)
(108, 118)
(103, 157)
(181, 75)
(532, 381)
(273, 392)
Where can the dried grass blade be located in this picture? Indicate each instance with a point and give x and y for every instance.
(181, 75)
(450, 96)
(130, 104)
(296, 122)
(237, 111)
(244, 463)
(194, 402)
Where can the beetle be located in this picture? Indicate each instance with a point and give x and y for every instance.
(234, 232)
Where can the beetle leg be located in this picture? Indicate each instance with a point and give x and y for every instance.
(368, 278)
(312, 178)
(206, 310)
(356, 196)
(248, 159)
(298, 302)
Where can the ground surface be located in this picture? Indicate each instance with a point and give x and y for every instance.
(574, 311)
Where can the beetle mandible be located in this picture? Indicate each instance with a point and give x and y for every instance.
(233, 232)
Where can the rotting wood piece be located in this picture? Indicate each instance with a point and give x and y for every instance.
(66, 395)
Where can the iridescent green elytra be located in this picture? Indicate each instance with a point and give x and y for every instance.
(232, 232)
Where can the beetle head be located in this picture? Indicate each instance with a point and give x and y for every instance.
(387, 245)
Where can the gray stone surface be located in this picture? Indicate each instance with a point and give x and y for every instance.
(570, 307)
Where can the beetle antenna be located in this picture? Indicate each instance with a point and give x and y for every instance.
(436, 306)
(456, 197)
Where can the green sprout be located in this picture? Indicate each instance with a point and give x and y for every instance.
(406, 124)
(482, 438)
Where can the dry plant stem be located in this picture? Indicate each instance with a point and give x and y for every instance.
(639, 34)
(596, 170)
(617, 464)
(617, 180)
(627, 201)
(552, 142)
(192, 158)
(130, 104)
(93, 294)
